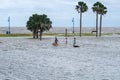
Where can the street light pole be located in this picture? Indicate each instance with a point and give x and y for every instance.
(9, 25)
(73, 24)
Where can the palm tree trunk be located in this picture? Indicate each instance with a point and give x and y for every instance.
(100, 25)
(80, 23)
(40, 35)
(33, 34)
(96, 24)
(36, 34)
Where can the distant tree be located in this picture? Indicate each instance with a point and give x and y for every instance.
(102, 11)
(81, 8)
(38, 24)
(96, 8)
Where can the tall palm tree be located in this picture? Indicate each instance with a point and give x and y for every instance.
(81, 8)
(102, 11)
(96, 8)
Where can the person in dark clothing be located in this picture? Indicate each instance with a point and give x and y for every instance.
(56, 42)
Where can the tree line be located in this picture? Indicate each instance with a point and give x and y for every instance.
(40, 23)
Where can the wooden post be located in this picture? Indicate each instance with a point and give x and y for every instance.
(66, 32)
(66, 36)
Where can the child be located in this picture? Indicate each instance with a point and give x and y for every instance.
(74, 43)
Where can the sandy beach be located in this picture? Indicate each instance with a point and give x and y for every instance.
(91, 28)
(24, 58)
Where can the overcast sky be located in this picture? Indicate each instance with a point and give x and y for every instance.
(60, 12)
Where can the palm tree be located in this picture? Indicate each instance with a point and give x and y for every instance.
(31, 26)
(81, 8)
(45, 24)
(38, 23)
(102, 11)
(96, 8)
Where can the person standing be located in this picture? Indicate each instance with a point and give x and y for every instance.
(74, 41)
(66, 40)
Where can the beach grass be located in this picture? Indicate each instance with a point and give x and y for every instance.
(14, 35)
(107, 34)
(117, 33)
(69, 34)
(54, 34)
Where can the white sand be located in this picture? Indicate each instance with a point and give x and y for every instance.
(25, 58)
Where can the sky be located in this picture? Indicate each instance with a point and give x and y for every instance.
(61, 12)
